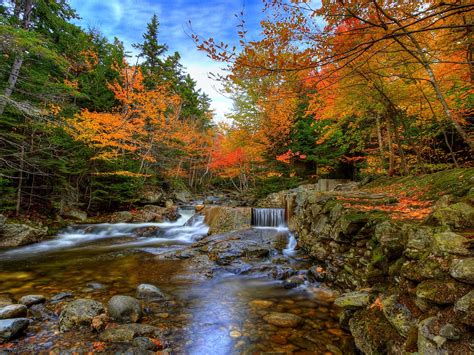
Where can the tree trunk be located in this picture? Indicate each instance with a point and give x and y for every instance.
(20, 180)
(18, 61)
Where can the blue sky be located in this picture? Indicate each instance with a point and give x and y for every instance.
(127, 19)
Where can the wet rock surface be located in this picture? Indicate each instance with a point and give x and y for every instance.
(79, 312)
(12, 328)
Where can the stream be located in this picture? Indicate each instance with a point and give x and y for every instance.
(221, 291)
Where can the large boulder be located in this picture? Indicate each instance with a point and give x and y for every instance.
(11, 328)
(222, 219)
(124, 309)
(14, 235)
(79, 312)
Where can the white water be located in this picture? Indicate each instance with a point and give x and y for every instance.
(268, 217)
(290, 249)
(117, 236)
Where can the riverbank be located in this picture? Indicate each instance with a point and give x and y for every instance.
(402, 253)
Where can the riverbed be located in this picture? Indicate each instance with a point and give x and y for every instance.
(221, 291)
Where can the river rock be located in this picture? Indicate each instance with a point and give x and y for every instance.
(353, 300)
(127, 332)
(225, 219)
(450, 243)
(11, 328)
(144, 343)
(13, 311)
(464, 307)
(441, 291)
(148, 291)
(293, 281)
(121, 217)
(14, 235)
(316, 273)
(79, 312)
(30, 300)
(463, 270)
(61, 296)
(75, 214)
(450, 332)
(124, 309)
(286, 320)
(398, 315)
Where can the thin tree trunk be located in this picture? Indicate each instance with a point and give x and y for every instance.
(379, 137)
(20, 180)
(391, 156)
(18, 61)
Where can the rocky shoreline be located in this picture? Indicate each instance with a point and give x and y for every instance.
(408, 285)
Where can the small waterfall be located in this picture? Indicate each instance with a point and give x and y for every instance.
(291, 246)
(268, 217)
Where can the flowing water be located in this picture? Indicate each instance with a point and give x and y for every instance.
(268, 217)
(221, 315)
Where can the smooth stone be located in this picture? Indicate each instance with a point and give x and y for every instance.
(283, 319)
(260, 304)
(13, 311)
(61, 296)
(32, 299)
(463, 270)
(127, 332)
(353, 300)
(96, 286)
(79, 312)
(125, 309)
(147, 291)
(11, 328)
(293, 281)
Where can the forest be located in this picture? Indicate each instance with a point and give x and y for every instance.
(347, 90)
(328, 210)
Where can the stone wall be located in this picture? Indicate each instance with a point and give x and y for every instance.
(406, 286)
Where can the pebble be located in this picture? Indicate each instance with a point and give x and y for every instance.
(13, 311)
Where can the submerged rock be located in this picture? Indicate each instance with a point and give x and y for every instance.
(5, 300)
(124, 309)
(13, 311)
(127, 332)
(79, 312)
(32, 299)
(144, 343)
(283, 319)
(148, 291)
(11, 328)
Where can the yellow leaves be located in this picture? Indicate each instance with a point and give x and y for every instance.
(144, 119)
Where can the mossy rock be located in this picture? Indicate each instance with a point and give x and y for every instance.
(442, 291)
(457, 216)
(398, 315)
(450, 243)
(353, 300)
(373, 334)
(464, 307)
(463, 270)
